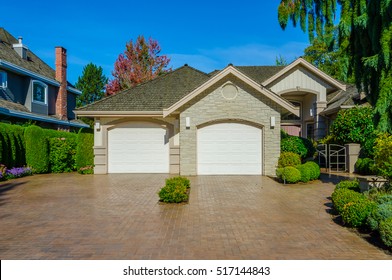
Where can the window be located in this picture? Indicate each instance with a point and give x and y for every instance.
(290, 116)
(3, 79)
(39, 92)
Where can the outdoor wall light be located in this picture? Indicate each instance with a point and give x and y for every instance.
(97, 126)
(272, 121)
(188, 122)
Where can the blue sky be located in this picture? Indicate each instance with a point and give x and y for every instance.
(207, 35)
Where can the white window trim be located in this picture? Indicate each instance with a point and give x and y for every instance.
(32, 92)
(4, 79)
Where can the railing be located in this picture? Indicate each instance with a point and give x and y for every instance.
(332, 157)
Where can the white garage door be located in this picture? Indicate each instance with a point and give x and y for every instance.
(229, 148)
(138, 148)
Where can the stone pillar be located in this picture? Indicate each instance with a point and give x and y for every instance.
(352, 154)
(320, 127)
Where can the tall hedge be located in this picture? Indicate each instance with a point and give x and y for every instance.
(37, 149)
(84, 149)
(12, 146)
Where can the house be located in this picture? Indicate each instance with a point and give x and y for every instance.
(227, 122)
(31, 90)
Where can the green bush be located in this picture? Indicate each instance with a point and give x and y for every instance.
(62, 154)
(385, 230)
(383, 155)
(289, 159)
(12, 147)
(84, 152)
(305, 173)
(356, 212)
(341, 196)
(379, 214)
(37, 149)
(289, 174)
(365, 166)
(301, 146)
(349, 184)
(175, 190)
(314, 170)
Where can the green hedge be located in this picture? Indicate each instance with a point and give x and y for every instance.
(84, 152)
(289, 159)
(349, 184)
(37, 149)
(314, 170)
(62, 154)
(12, 145)
(301, 146)
(355, 212)
(365, 166)
(340, 197)
(385, 230)
(288, 174)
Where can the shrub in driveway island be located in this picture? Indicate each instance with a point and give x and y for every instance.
(381, 213)
(175, 190)
(385, 230)
(342, 196)
(314, 170)
(349, 184)
(305, 173)
(289, 174)
(355, 212)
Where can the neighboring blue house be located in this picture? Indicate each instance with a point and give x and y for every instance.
(31, 90)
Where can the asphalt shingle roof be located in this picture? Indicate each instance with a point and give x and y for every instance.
(260, 73)
(154, 95)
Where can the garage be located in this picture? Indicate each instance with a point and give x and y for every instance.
(138, 147)
(229, 148)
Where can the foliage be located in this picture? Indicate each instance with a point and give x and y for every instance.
(349, 184)
(385, 230)
(62, 154)
(353, 125)
(92, 84)
(383, 155)
(37, 150)
(356, 212)
(84, 152)
(305, 172)
(342, 196)
(364, 37)
(280, 61)
(301, 146)
(380, 213)
(289, 159)
(175, 190)
(314, 170)
(288, 174)
(365, 166)
(140, 62)
(12, 145)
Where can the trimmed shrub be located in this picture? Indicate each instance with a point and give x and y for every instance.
(289, 159)
(383, 155)
(289, 174)
(365, 166)
(294, 144)
(340, 197)
(385, 230)
(62, 154)
(175, 190)
(12, 151)
(349, 184)
(84, 152)
(356, 212)
(305, 173)
(314, 169)
(37, 150)
(379, 214)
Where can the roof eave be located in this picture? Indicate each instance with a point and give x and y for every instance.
(118, 113)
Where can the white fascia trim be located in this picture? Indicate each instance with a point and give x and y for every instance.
(118, 113)
(21, 70)
(310, 67)
(232, 70)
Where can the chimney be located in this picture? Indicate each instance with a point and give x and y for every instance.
(61, 77)
(20, 48)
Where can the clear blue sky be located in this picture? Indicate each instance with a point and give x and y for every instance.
(205, 34)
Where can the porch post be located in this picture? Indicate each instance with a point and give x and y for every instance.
(320, 127)
(352, 154)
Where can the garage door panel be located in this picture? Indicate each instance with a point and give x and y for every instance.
(229, 148)
(138, 148)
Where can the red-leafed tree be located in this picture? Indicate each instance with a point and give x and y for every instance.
(140, 62)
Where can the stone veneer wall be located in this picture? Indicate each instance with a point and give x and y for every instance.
(249, 106)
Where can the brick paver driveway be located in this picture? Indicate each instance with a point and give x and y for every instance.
(70, 216)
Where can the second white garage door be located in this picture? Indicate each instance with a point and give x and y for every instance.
(229, 148)
(138, 148)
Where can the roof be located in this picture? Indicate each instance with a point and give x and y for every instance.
(341, 99)
(154, 95)
(260, 73)
(32, 63)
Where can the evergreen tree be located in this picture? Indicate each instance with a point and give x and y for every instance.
(364, 43)
(92, 84)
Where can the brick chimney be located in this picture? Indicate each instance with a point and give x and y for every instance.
(61, 77)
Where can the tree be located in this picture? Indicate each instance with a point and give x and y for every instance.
(140, 62)
(280, 61)
(364, 40)
(92, 84)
